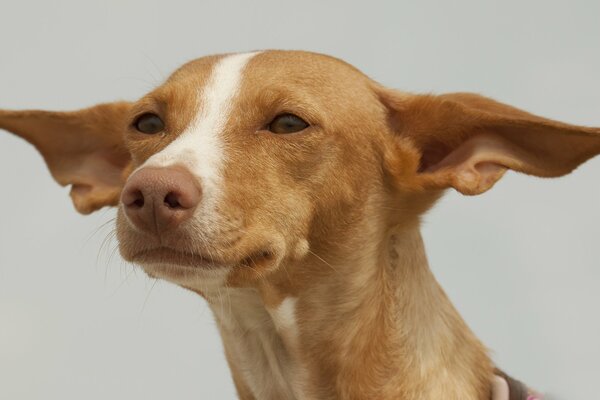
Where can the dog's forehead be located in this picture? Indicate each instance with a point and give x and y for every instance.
(273, 62)
(275, 69)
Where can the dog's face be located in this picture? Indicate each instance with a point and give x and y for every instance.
(281, 146)
(242, 163)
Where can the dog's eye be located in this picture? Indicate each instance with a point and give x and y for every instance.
(287, 123)
(149, 123)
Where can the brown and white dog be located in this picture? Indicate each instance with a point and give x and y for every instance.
(287, 188)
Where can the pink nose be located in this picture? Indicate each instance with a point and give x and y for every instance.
(159, 199)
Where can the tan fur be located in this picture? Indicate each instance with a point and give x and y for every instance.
(329, 217)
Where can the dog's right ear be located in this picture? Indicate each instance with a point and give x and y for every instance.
(84, 148)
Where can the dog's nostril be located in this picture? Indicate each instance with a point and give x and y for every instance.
(136, 200)
(172, 200)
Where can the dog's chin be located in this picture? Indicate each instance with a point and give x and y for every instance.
(173, 257)
(198, 271)
(193, 278)
(191, 270)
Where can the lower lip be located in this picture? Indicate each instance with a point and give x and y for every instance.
(173, 257)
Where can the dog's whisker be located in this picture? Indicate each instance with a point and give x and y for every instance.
(105, 244)
(98, 229)
(148, 296)
(322, 260)
(123, 281)
(160, 72)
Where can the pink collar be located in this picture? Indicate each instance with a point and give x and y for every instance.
(506, 388)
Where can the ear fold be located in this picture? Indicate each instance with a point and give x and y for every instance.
(83, 148)
(467, 141)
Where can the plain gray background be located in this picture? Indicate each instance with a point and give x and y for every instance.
(520, 262)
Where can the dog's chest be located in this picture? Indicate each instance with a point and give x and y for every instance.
(262, 343)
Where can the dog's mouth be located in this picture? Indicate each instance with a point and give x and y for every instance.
(169, 256)
(176, 258)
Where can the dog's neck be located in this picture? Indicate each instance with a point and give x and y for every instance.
(375, 325)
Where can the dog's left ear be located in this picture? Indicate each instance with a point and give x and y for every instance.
(467, 141)
(84, 149)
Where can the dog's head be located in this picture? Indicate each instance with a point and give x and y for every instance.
(240, 162)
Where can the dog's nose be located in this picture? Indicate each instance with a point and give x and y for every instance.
(159, 199)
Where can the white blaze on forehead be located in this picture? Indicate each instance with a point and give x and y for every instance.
(199, 148)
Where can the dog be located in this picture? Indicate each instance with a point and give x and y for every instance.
(290, 186)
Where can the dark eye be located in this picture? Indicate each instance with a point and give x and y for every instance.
(149, 123)
(287, 123)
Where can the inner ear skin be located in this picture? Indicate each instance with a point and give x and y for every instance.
(433, 155)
